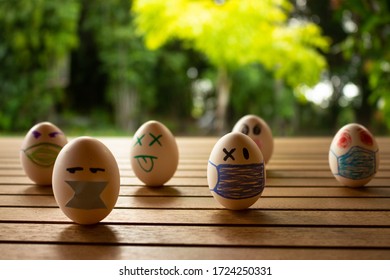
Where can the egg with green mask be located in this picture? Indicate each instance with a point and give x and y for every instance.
(353, 155)
(39, 151)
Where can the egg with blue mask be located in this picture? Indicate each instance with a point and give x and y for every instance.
(354, 155)
(235, 171)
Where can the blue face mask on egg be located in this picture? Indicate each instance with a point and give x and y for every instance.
(358, 163)
(239, 181)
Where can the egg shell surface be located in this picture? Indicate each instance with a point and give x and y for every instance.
(39, 150)
(154, 153)
(86, 180)
(259, 131)
(354, 155)
(235, 171)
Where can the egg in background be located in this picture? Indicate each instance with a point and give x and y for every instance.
(259, 131)
(86, 180)
(154, 154)
(354, 155)
(236, 171)
(39, 150)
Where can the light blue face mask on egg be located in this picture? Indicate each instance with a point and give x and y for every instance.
(358, 163)
(239, 181)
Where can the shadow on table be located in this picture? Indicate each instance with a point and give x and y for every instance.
(97, 241)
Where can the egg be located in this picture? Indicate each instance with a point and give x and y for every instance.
(259, 131)
(354, 155)
(235, 171)
(39, 150)
(154, 154)
(86, 180)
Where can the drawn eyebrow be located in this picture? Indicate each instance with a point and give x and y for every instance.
(36, 134)
(96, 169)
(54, 134)
(74, 169)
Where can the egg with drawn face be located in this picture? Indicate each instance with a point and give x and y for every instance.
(235, 171)
(86, 180)
(39, 151)
(354, 155)
(258, 130)
(154, 154)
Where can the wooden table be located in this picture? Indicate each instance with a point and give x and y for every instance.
(303, 213)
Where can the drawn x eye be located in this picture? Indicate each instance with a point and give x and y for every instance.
(229, 154)
(155, 139)
(139, 140)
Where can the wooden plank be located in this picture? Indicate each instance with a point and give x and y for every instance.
(300, 237)
(276, 173)
(17, 251)
(312, 203)
(203, 191)
(187, 181)
(209, 217)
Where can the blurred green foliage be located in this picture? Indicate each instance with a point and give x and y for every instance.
(235, 33)
(82, 65)
(367, 47)
(35, 37)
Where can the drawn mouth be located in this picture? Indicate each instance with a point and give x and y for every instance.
(146, 162)
(43, 154)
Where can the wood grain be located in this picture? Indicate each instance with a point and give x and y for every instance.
(304, 213)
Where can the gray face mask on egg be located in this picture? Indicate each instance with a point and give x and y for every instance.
(358, 163)
(239, 181)
(86, 195)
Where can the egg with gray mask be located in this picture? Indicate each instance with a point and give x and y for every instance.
(86, 180)
(354, 155)
(236, 172)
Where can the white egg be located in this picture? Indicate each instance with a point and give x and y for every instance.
(354, 155)
(86, 180)
(236, 171)
(39, 151)
(154, 154)
(258, 130)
